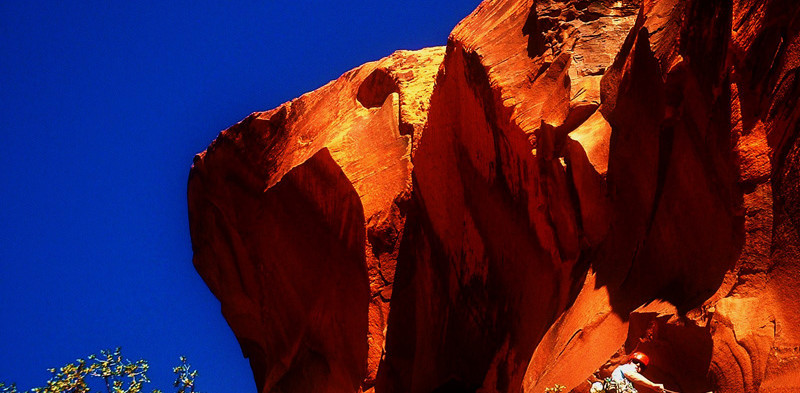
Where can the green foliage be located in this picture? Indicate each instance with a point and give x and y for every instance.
(8, 388)
(555, 389)
(185, 377)
(111, 371)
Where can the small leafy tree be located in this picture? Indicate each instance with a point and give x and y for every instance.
(112, 372)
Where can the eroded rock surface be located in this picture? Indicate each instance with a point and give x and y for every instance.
(308, 317)
(566, 182)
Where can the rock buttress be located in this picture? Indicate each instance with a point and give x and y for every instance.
(304, 268)
(493, 249)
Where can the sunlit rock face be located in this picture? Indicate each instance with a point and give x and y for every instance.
(566, 182)
(297, 215)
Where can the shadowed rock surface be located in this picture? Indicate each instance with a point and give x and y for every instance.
(566, 182)
(266, 243)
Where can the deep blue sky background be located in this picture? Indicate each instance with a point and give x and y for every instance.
(103, 104)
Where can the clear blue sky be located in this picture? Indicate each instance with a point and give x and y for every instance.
(103, 104)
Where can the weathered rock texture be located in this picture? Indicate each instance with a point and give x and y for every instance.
(296, 218)
(566, 182)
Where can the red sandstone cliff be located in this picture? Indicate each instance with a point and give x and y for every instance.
(564, 183)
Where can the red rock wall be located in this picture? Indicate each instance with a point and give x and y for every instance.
(303, 262)
(569, 181)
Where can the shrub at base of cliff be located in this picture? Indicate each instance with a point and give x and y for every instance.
(108, 372)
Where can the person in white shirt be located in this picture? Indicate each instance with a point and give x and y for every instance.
(624, 377)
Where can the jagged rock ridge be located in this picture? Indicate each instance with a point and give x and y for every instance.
(564, 183)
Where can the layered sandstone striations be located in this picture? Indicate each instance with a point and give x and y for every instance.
(566, 182)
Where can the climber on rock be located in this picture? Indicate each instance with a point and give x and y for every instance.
(626, 376)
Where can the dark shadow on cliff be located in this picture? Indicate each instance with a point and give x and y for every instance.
(677, 226)
(288, 265)
(531, 28)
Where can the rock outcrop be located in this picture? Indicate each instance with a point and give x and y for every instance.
(297, 214)
(566, 182)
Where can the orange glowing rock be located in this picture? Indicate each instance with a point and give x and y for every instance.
(692, 226)
(296, 218)
(566, 182)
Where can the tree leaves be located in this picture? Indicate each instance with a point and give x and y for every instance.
(112, 372)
